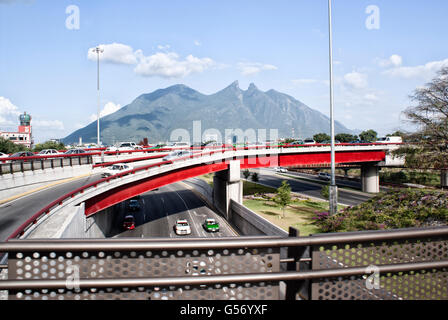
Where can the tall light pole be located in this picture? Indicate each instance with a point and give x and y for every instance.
(333, 187)
(98, 50)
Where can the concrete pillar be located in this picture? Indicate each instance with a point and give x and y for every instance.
(227, 185)
(444, 178)
(370, 179)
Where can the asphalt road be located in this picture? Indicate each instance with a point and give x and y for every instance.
(14, 213)
(271, 178)
(161, 208)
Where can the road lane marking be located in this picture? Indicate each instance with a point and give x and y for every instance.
(22, 195)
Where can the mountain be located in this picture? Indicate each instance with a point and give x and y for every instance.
(157, 114)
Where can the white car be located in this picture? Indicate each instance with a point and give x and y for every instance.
(309, 141)
(280, 169)
(48, 152)
(115, 169)
(176, 155)
(182, 227)
(324, 176)
(390, 140)
(3, 155)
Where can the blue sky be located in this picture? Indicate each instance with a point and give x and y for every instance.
(281, 45)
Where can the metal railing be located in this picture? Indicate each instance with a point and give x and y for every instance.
(407, 264)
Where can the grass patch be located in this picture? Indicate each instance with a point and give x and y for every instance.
(299, 215)
(251, 188)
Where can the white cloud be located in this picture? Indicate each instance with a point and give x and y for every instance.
(114, 53)
(169, 65)
(197, 43)
(165, 47)
(8, 112)
(394, 61)
(108, 108)
(356, 80)
(426, 71)
(251, 68)
(371, 97)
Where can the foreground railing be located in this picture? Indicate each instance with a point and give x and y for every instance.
(401, 264)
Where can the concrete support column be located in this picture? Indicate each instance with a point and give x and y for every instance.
(370, 179)
(227, 186)
(444, 178)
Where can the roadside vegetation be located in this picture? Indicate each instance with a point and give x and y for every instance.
(396, 209)
(7, 146)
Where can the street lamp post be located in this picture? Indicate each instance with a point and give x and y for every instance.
(98, 50)
(333, 187)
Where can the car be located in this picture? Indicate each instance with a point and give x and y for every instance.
(324, 176)
(3, 155)
(48, 152)
(75, 151)
(309, 141)
(297, 143)
(134, 205)
(390, 140)
(111, 149)
(115, 169)
(129, 222)
(176, 155)
(211, 225)
(280, 169)
(182, 227)
(178, 145)
(329, 142)
(21, 154)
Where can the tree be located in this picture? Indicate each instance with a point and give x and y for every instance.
(430, 115)
(255, 177)
(7, 146)
(346, 137)
(49, 145)
(283, 196)
(369, 135)
(325, 192)
(246, 174)
(321, 137)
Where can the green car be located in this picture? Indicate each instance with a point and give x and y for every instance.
(211, 225)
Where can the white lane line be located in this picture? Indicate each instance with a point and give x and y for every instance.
(188, 210)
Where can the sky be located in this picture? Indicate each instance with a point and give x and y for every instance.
(382, 51)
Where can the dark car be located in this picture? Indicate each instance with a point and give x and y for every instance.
(21, 154)
(129, 222)
(134, 205)
(359, 142)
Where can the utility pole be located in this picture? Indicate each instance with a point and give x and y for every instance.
(98, 50)
(333, 187)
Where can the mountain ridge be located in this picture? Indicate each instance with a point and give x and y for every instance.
(155, 115)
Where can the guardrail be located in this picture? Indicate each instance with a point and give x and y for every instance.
(46, 210)
(41, 163)
(399, 264)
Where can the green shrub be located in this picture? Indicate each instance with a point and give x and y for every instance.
(395, 209)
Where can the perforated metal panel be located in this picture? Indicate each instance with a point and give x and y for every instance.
(425, 284)
(146, 264)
